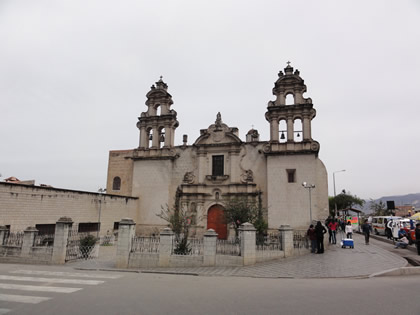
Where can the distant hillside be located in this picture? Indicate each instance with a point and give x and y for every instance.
(410, 199)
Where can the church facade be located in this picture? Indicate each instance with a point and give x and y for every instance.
(219, 165)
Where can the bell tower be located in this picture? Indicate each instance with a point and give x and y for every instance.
(290, 116)
(157, 125)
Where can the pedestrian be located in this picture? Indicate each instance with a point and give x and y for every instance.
(417, 233)
(349, 230)
(388, 231)
(312, 236)
(403, 243)
(320, 230)
(327, 224)
(332, 226)
(366, 229)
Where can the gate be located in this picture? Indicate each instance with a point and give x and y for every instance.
(81, 246)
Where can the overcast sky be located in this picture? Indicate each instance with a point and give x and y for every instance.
(74, 75)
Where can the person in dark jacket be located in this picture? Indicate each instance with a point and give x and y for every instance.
(366, 229)
(320, 230)
(312, 236)
(418, 237)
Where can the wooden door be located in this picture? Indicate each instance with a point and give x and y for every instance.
(216, 221)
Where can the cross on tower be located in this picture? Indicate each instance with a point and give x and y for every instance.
(288, 63)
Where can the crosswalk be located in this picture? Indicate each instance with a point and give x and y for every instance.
(44, 284)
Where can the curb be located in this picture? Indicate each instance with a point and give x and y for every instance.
(403, 271)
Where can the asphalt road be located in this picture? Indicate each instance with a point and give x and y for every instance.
(137, 293)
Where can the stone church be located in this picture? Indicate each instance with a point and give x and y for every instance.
(219, 165)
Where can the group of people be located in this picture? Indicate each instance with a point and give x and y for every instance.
(316, 234)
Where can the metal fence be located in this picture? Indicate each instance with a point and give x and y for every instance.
(145, 244)
(300, 239)
(81, 246)
(269, 242)
(44, 240)
(230, 247)
(13, 239)
(192, 246)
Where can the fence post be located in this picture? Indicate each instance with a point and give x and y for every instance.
(28, 241)
(209, 242)
(286, 234)
(3, 231)
(126, 232)
(248, 243)
(62, 228)
(165, 247)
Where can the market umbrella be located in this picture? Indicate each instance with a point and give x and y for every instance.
(415, 216)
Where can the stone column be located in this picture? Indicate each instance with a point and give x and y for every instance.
(155, 138)
(143, 138)
(248, 243)
(62, 228)
(210, 239)
(306, 124)
(165, 247)
(126, 231)
(290, 131)
(3, 231)
(28, 241)
(286, 235)
(274, 128)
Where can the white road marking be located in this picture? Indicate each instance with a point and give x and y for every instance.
(4, 311)
(37, 288)
(65, 274)
(52, 280)
(23, 298)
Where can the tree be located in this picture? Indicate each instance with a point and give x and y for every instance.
(243, 209)
(379, 208)
(344, 201)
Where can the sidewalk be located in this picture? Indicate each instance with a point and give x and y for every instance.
(336, 262)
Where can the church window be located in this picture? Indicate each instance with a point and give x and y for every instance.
(116, 183)
(290, 99)
(218, 165)
(291, 175)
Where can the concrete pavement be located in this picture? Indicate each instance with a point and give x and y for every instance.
(336, 262)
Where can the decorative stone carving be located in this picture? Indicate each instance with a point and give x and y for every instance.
(247, 176)
(189, 178)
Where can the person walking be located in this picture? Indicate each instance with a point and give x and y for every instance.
(332, 226)
(417, 233)
(320, 230)
(312, 236)
(366, 229)
(349, 230)
(327, 224)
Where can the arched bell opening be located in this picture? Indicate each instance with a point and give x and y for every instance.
(297, 130)
(282, 131)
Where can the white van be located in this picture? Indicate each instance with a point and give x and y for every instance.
(378, 223)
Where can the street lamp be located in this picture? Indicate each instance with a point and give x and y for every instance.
(101, 191)
(335, 201)
(309, 187)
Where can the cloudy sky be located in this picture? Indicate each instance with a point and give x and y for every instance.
(74, 74)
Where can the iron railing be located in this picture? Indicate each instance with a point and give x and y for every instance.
(269, 242)
(145, 244)
(231, 247)
(13, 239)
(300, 239)
(192, 246)
(77, 249)
(44, 240)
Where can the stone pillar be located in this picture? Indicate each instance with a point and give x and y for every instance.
(248, 243)
(306, 126)
(290, 133)
(143, 138)
(3, 231)
(62, 228)
(155, 138)
(210, 239)
(165, 247)
(28, 241)
(126, 231)
(274, 128)
(286, 235)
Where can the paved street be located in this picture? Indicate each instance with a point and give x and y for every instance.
(29, 289)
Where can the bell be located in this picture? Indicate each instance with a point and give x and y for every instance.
(298, 135)
(151, 137)
(162, 138)
(282, 136)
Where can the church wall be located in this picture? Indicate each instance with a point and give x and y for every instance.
(22, 206)
(119, 165)
(288, 203)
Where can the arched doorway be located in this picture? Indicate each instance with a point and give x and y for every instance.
(216, 221)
